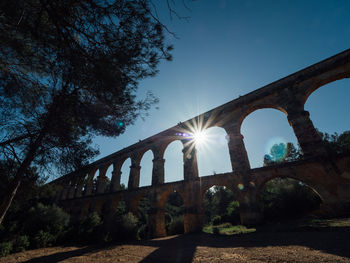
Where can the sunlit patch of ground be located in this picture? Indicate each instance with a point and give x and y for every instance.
(320, 241)
(227, 229)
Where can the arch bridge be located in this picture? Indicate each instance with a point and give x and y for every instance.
(327, 174)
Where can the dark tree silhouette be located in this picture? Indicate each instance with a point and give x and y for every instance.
(69, 71)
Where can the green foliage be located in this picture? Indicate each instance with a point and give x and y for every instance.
(43, 239)
(89, 230)
(220, 201)
(335, 143)
(174, 208)
(227, 229)
(5, 248)
(21, 243)
(176, 226)
(216, 220)
(127, 226)
(287, 198)
(47, 219)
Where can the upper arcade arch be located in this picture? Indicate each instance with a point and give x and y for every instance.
(329, 105)
(173, 164)
(260, 106)
(146, 165)
(272, 127)
(213, 155)
(333, 77)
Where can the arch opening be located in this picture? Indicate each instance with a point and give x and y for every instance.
(266, 136)
(174, 214)
(108, 178)
(328, 106)
(213, 156)
(125, 170)
(286, 198)
(173, 166)
(143, 210)
(221, 211)
(146, 168)
(94, 181)
(124, 223)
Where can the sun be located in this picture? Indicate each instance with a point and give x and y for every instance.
(199, 137)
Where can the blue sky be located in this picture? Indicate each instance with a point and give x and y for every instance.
(228, 49)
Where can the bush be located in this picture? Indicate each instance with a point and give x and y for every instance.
(125, 227)
(43, 239)
(287, 198)
(142, 232)
(216, 220)
(5, 248)
(21, 243)
(48, 219)
(176, 226)
(216, 230)
(89, 230)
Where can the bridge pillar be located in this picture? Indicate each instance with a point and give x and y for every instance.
(192, 219)
(71, 191)
(116, 175)
(101, 184)
(89, 187)
(193, 214)
(79, 191)
(156, 219)
(237, 150)
(158, 171)
(190, 160)
(249, 210)
(64, 192)
(134, 178)
(309, 139)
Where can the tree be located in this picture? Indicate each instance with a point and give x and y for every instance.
(69, 71)
(282, 153)
(335, 143)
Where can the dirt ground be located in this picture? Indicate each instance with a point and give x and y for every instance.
(323, 245)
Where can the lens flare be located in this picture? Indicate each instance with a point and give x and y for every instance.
(240, 186)
(199, 137)
(276, 148)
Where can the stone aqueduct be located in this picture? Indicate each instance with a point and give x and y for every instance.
(328, 175)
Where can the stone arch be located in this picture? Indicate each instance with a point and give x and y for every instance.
(228, 186)
(320, 83)
(146, 164)
(282, 205)
(109, 174)
(325, 105)
(271, 131)
(213, 155)
(125, 171)
(174, 213)
(231, 199)
(85, 209)
(134, 202)
(173, 166)
(98, 206)
(163, 197)
(259, 106)
(314, 187)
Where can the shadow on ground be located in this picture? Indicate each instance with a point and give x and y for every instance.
(183, 247)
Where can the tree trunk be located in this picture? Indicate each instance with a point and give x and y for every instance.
(8, 198)
(14, 185)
